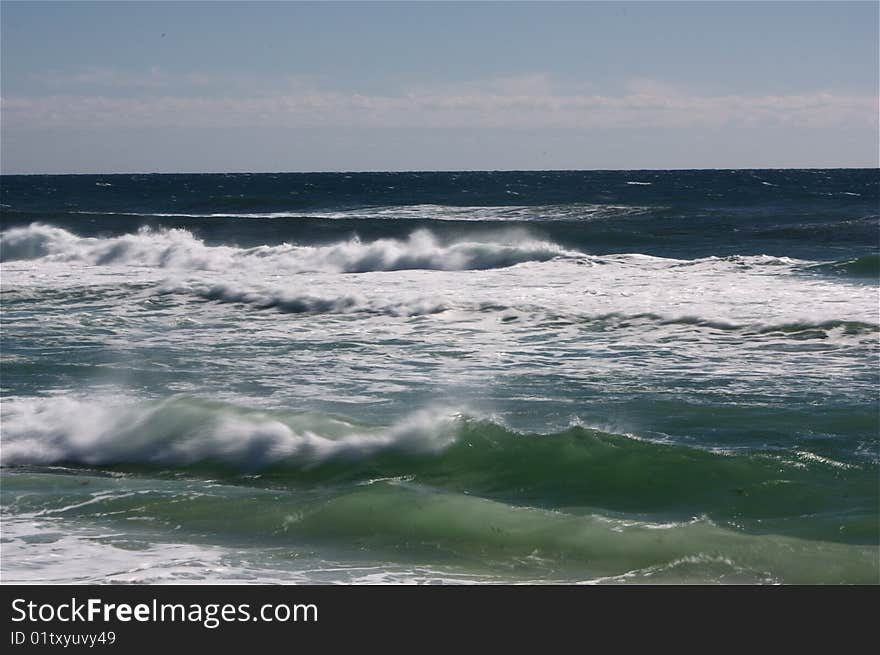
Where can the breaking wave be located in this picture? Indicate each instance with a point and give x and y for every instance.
(180, 249)
(439, 447)
(183, 431)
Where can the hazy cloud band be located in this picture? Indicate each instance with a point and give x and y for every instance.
(426, 109)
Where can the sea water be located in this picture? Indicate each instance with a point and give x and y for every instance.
(621, 376)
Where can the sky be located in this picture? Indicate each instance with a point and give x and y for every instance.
(342, 86)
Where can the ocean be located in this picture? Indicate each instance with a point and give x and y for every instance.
(477, 377)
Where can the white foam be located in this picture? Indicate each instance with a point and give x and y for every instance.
(183, 431)
(757, 294)
(179, 249)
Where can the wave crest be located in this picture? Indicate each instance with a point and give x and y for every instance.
(183, 431)
(180, 249)
(439, 447)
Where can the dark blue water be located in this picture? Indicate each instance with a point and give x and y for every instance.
(804, 214)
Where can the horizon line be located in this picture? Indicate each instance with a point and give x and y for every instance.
(463, 170)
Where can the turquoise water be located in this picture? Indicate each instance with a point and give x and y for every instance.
(634, 376)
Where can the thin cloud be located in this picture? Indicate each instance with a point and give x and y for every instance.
(527, 102)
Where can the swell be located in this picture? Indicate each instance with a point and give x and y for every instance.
(501, 213)
(278, 191)
(292, 299)
(419, 523)
(847, 229)
(804, 328)
(867, 267)
(445, 449)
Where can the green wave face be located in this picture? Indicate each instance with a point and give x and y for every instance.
(416, 523)
(588, 468)
(578, 471)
